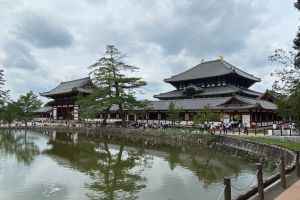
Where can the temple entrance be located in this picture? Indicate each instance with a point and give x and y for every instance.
(65, 113)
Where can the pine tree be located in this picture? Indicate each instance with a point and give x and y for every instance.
(114, 86)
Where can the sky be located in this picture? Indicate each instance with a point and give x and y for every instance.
(43, 43)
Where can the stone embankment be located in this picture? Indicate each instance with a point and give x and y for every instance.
(266, 152)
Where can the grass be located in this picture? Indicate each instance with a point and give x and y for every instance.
(285, 144)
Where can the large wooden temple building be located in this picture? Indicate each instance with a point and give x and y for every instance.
(215, 83)
(224, 88)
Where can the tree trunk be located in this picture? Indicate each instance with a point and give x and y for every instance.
(105, 116)
(122, 113)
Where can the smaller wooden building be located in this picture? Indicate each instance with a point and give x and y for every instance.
(64, 96)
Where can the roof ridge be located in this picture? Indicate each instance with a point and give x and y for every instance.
(210, 61)
(76, 80)
(227, 63)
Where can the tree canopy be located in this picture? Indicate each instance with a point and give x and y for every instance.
(4, 94)
(288, 78)
(27, 104)
(173, 113)
(113, 85)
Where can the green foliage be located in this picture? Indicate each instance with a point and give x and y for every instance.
(285, 144)
(206, 115)
(10, 112)
(27, 104)
(4, 96)
(114, 86)
(173, 113)
(288, 78)
(297, 4)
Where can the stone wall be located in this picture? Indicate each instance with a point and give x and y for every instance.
(255, 149)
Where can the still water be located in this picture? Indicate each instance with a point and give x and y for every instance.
(54, 165)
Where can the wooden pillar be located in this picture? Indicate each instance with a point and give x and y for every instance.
(260, 182)
(227, 190)
(158, 117)
(135, 117)
(260, 119)
(272, 117)
(54, 114)
(76, 116)
(297, 165)
(282, 172)
(186, 117)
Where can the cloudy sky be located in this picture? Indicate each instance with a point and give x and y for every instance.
(45, 42)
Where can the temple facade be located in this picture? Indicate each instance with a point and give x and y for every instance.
(221, 86)
(64, 97)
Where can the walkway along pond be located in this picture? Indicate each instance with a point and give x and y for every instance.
(119, 164)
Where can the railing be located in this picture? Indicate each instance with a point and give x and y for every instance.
(226, 191)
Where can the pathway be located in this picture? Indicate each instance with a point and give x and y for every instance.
(293, 192)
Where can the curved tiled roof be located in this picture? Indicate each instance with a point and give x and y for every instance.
(208, 92)
(217, 103)
(43, 110)
(208, 69)
(69, 86)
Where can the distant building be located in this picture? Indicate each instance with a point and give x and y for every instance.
(64, 96)
(44, 112)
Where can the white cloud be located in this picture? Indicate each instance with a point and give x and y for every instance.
(45, 42)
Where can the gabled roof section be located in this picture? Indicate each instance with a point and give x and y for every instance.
(234, 100)
(209, 69)
(217, 103)
(77, 85)
(43, 110)
(270, 95)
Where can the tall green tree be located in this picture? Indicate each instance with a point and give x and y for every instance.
(28, 103)
(288, 78)
(114, 85)
(10, 111)
(4, 94)
(297, 41)
(173, 113)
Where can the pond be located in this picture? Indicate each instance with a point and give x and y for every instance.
(56, 165)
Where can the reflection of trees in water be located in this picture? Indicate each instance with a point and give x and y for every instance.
(115, 170)
(113, 173)
(208, 165)
(20, 144)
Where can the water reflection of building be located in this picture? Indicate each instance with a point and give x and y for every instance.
(216, 83)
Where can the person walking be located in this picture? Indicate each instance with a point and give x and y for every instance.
(246, 128)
